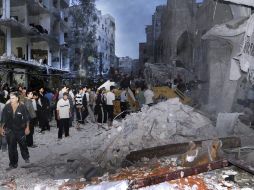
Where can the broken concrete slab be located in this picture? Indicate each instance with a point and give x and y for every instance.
(242, 2)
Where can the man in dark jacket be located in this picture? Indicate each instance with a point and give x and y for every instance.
(85, 104)
(43, 111)
(15, 126)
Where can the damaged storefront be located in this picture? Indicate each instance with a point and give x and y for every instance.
(22, 73)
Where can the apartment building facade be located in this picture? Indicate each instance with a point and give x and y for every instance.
(149, 50)
(105, 35)
(32, 41)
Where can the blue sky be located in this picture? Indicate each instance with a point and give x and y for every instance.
(131, 17)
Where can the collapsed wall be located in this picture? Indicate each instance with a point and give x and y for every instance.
(157, 74)
(165, 123)
(205, 40)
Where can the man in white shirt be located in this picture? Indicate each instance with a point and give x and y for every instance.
(123, 102)
(78, 106)
(110, 97)
(63, 115)
(149, 95)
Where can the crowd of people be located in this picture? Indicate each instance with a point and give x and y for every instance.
(22, 109)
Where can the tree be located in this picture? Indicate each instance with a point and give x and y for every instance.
(83, 37)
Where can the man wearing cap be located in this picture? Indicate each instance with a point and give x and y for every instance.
(63, 115)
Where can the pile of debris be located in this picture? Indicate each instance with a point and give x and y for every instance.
(167, 122)
(123, 179)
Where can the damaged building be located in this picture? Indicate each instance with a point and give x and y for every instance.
(202, 140)
(33, 49)
(203, 42)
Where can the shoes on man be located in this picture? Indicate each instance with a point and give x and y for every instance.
(11, 167)
(27, 161)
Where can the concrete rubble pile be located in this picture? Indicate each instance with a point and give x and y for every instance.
(165, 123)
(157, 73)
(225, 178)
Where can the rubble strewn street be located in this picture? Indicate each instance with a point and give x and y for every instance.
(126, 95)
(71, 158)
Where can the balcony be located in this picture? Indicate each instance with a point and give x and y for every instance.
(4, 59)
(18, 29)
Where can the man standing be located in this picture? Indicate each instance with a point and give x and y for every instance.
(32, 115)
(123, 102)
(15, 125)
(43, 111)
(63, 115)
(110, 97)
(78, 106)
(90, 103)
(85, 99)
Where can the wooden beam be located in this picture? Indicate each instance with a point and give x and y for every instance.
(174, 149)
(139, 183)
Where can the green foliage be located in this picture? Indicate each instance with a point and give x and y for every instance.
(83, 35)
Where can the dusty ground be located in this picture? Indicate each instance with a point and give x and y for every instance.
(87, 150)
(70, 157)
